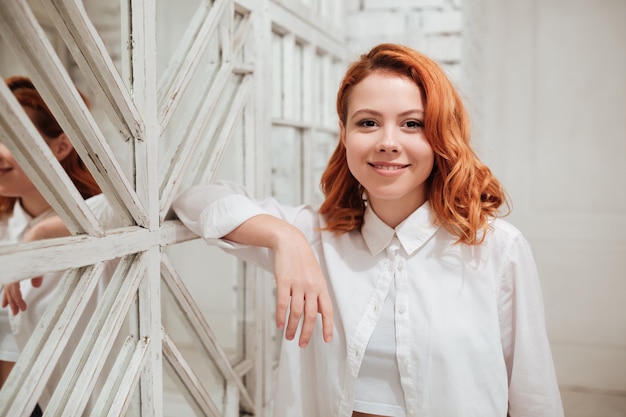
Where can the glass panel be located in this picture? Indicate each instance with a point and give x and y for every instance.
(189, 106)
(318, 91)
(287, 164)
(134, 408)
(173, 19)
(277, 76)
(184, 336)
(176, 401)
(298, 87)
(323, 147)
(214, 279)
(329, 90)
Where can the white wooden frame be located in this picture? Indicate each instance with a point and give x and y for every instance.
(140, 107)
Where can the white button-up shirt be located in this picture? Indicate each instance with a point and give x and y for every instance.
(469, 320)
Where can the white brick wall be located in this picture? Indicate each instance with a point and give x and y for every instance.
(434, 27)
(448, 21)
(402, 4)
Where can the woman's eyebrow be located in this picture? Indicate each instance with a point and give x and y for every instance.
(368, 112)
(371, 112)
(412, 111)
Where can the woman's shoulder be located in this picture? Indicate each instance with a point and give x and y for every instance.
(504, 227)
(104, 211)
(13, 225)
(502, 234)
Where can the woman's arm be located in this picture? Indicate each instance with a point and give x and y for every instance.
(226, 215)
(48, 228)
(533, 387)
(300, 283)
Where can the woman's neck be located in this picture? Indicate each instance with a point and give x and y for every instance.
(34, 204)
(392, 213)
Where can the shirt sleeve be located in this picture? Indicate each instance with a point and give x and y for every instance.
(212, 211)
(533, 388)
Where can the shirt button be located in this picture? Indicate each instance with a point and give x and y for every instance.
(402, 309)
(400, 265)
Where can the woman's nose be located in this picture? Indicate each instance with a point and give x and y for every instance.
(388, 142)
(3, 151)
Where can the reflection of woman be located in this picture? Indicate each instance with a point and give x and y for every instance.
(26, 216)
(437, 303)
(23, 208)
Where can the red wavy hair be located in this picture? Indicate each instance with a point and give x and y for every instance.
(28, 96)
(462, 191)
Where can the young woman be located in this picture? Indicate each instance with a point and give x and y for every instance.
(22, 207)
(436, 301)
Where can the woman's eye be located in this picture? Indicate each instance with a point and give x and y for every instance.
(414, 124)
(367, 123)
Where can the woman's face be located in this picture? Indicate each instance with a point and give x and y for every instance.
(386, 149)
(13, 181)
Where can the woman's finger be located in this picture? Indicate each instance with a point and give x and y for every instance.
(325, 308)
(282, 304)
(16, 302)
(308, 322)
(296, 308)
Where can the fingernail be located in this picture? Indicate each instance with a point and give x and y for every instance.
(303, 344)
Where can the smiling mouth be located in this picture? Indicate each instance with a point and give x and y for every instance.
(388, 167)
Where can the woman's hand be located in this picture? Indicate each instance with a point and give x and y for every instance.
(301, 286)
(48, 228)
(12, 297)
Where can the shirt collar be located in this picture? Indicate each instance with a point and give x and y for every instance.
(21, 219)
(19, 211)
(412, 233)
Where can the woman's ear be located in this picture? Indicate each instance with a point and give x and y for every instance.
(61, 146)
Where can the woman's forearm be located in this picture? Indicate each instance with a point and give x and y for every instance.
(48, 228)
(264, 230)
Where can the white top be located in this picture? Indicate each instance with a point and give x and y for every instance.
(378, 389)
(469, 320)
(37, 299)
(12, 230)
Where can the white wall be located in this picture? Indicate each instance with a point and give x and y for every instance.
(553, 127)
